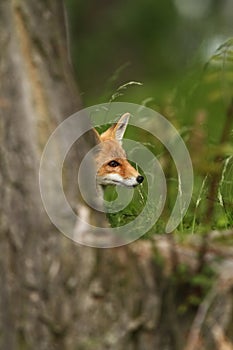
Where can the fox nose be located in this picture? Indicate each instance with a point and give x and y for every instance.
(139, 179)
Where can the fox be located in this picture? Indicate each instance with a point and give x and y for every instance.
(111, 168)
(112, 165)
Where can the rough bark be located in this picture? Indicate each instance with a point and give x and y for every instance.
(55, 294)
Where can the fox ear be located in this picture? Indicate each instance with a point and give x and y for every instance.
(96, 136)
(121, 126)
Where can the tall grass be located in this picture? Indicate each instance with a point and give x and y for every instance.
(202, 106)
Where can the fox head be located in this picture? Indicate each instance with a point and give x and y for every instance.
(112, 165)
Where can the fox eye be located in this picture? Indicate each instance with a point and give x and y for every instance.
(113, 163)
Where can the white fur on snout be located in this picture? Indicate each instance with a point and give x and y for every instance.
(116, 179)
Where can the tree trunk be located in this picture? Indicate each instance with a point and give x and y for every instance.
(54, 293)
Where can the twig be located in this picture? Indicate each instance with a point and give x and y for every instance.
(194, 334)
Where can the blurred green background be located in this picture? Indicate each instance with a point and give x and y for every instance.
(182, 53)
(154, 42)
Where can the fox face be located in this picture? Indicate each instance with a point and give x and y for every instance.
(112, 165)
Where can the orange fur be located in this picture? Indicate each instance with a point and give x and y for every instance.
(110, 150)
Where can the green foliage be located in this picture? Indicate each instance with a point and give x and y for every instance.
(192, 286)
(115, 45)
(209, 104)
(147, 41)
